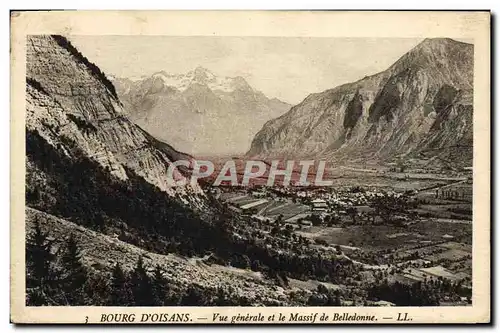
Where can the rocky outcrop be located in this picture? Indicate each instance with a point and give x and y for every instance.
(421, 104)
(71, 102)
(198, 112)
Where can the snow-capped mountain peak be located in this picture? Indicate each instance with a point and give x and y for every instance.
(203, 76)
(210, 113)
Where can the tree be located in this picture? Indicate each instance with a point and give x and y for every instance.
(329, 220)
(75, 273)
(120, 294)
(141, 285)
(352, 212)
(256, 265)
(159, 286)
(32, 195)
(322, 289)
(40, 274)
(275, 230)
(315, 219)
(245, 261)
(97, 289)
(38, 257)
(99, 223)
(335, 299)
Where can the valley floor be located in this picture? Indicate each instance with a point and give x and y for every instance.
(361, 244)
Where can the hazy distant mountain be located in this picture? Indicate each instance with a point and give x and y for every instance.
(421, 105)
(198, 112)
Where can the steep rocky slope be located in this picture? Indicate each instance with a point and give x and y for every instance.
(198, 112)
(71, 102)
(421, 104)
(102, 253)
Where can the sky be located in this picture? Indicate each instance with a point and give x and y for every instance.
(287, 68)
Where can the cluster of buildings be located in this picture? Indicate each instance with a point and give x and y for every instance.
(301, 206)
(463, 193)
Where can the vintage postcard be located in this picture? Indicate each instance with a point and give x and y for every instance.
(250, 167)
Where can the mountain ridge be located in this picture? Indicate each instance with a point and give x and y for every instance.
(70, 103)
(380, 116)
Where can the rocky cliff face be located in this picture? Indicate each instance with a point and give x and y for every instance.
(70, 101)
(421, 104)
(198, 112)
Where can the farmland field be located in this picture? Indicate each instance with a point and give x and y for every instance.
(380, 237)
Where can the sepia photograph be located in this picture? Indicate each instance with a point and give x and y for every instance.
(324, 178)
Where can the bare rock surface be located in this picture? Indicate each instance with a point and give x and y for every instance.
(70, 100)
(421, 104)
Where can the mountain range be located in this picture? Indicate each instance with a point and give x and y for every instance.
(198, 112)
(420, 107)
